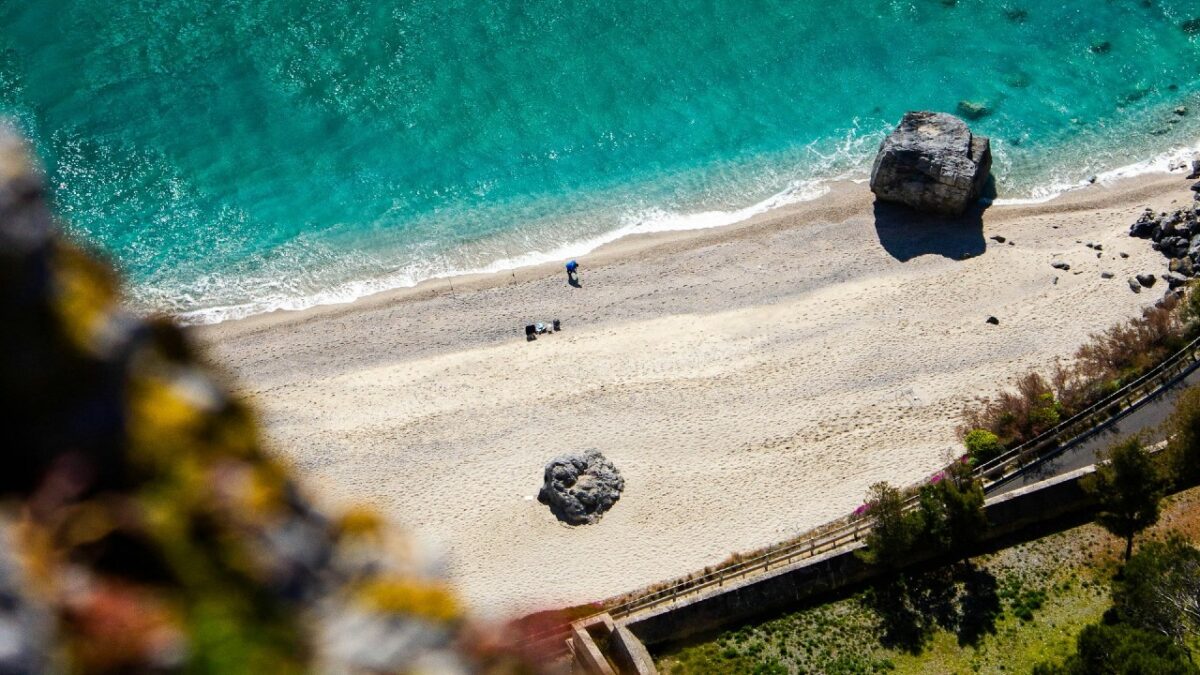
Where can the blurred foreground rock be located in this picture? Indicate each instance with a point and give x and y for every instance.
(142, 526)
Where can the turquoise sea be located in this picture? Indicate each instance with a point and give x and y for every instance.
(241, 156)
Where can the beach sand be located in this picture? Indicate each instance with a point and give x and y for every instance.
(749, 382)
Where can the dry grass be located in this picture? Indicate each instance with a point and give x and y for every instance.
(1101, 366)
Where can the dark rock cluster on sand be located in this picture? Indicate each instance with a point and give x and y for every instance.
(1177, 236)
(580, 487)
(932, 162)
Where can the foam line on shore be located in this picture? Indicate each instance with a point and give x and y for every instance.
(645, 222)
(1175, 160)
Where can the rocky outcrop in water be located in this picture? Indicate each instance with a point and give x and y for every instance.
(932, 163)
(580, 487)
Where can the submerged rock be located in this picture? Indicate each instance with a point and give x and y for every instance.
(932, 162)
(973, 110)
(580, 487)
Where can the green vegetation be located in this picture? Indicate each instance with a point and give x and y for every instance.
(1061, 605)
(960, 619)
(1183, 448)
(1159, 591)
(894, 530)
(948, 517)
(1004, 612)
(1128, 486)
(1106, 362)
(1064, 604)
(952, 509)
(1104, 648)
(982, 446)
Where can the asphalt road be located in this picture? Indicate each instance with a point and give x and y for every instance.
(1147, 418)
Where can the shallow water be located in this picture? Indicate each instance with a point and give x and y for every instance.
(278, 153)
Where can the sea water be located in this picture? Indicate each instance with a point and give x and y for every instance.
(248, 155)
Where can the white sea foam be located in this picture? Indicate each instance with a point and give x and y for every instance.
(645, 222)
(1175, 160)
(843, 163)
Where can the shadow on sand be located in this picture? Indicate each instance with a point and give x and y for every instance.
(906, 234)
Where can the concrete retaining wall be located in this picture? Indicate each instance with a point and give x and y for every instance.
(788, 587)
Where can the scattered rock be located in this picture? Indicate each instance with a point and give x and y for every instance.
(1123, 254)
(993, 320)
(1060, 265)
(997, 238)
(1134, 285)
(1106, 275)
(1181, 266)
(973, 110)
(1012, 243)
(1181, 110)
(932, 162)
(1147, 280)
(1174, 280)
(580, 487)
(1016, 14)
(1195, 173)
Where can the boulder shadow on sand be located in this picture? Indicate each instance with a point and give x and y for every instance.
(906, 233)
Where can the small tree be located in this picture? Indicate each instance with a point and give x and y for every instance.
(894, 531)
(982, 446)
(952, 509)
(1128, 487)
(1159, 590)
(1183, 447)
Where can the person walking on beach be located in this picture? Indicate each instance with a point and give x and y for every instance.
(573, 274)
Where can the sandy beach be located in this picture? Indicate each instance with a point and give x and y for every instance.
(749, 381)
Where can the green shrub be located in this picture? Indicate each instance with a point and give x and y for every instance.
(982, 446)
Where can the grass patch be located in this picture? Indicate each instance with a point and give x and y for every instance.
(1045, 592)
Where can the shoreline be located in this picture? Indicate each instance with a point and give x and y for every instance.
(749, 381)
(1129, 178)
(799, 192)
